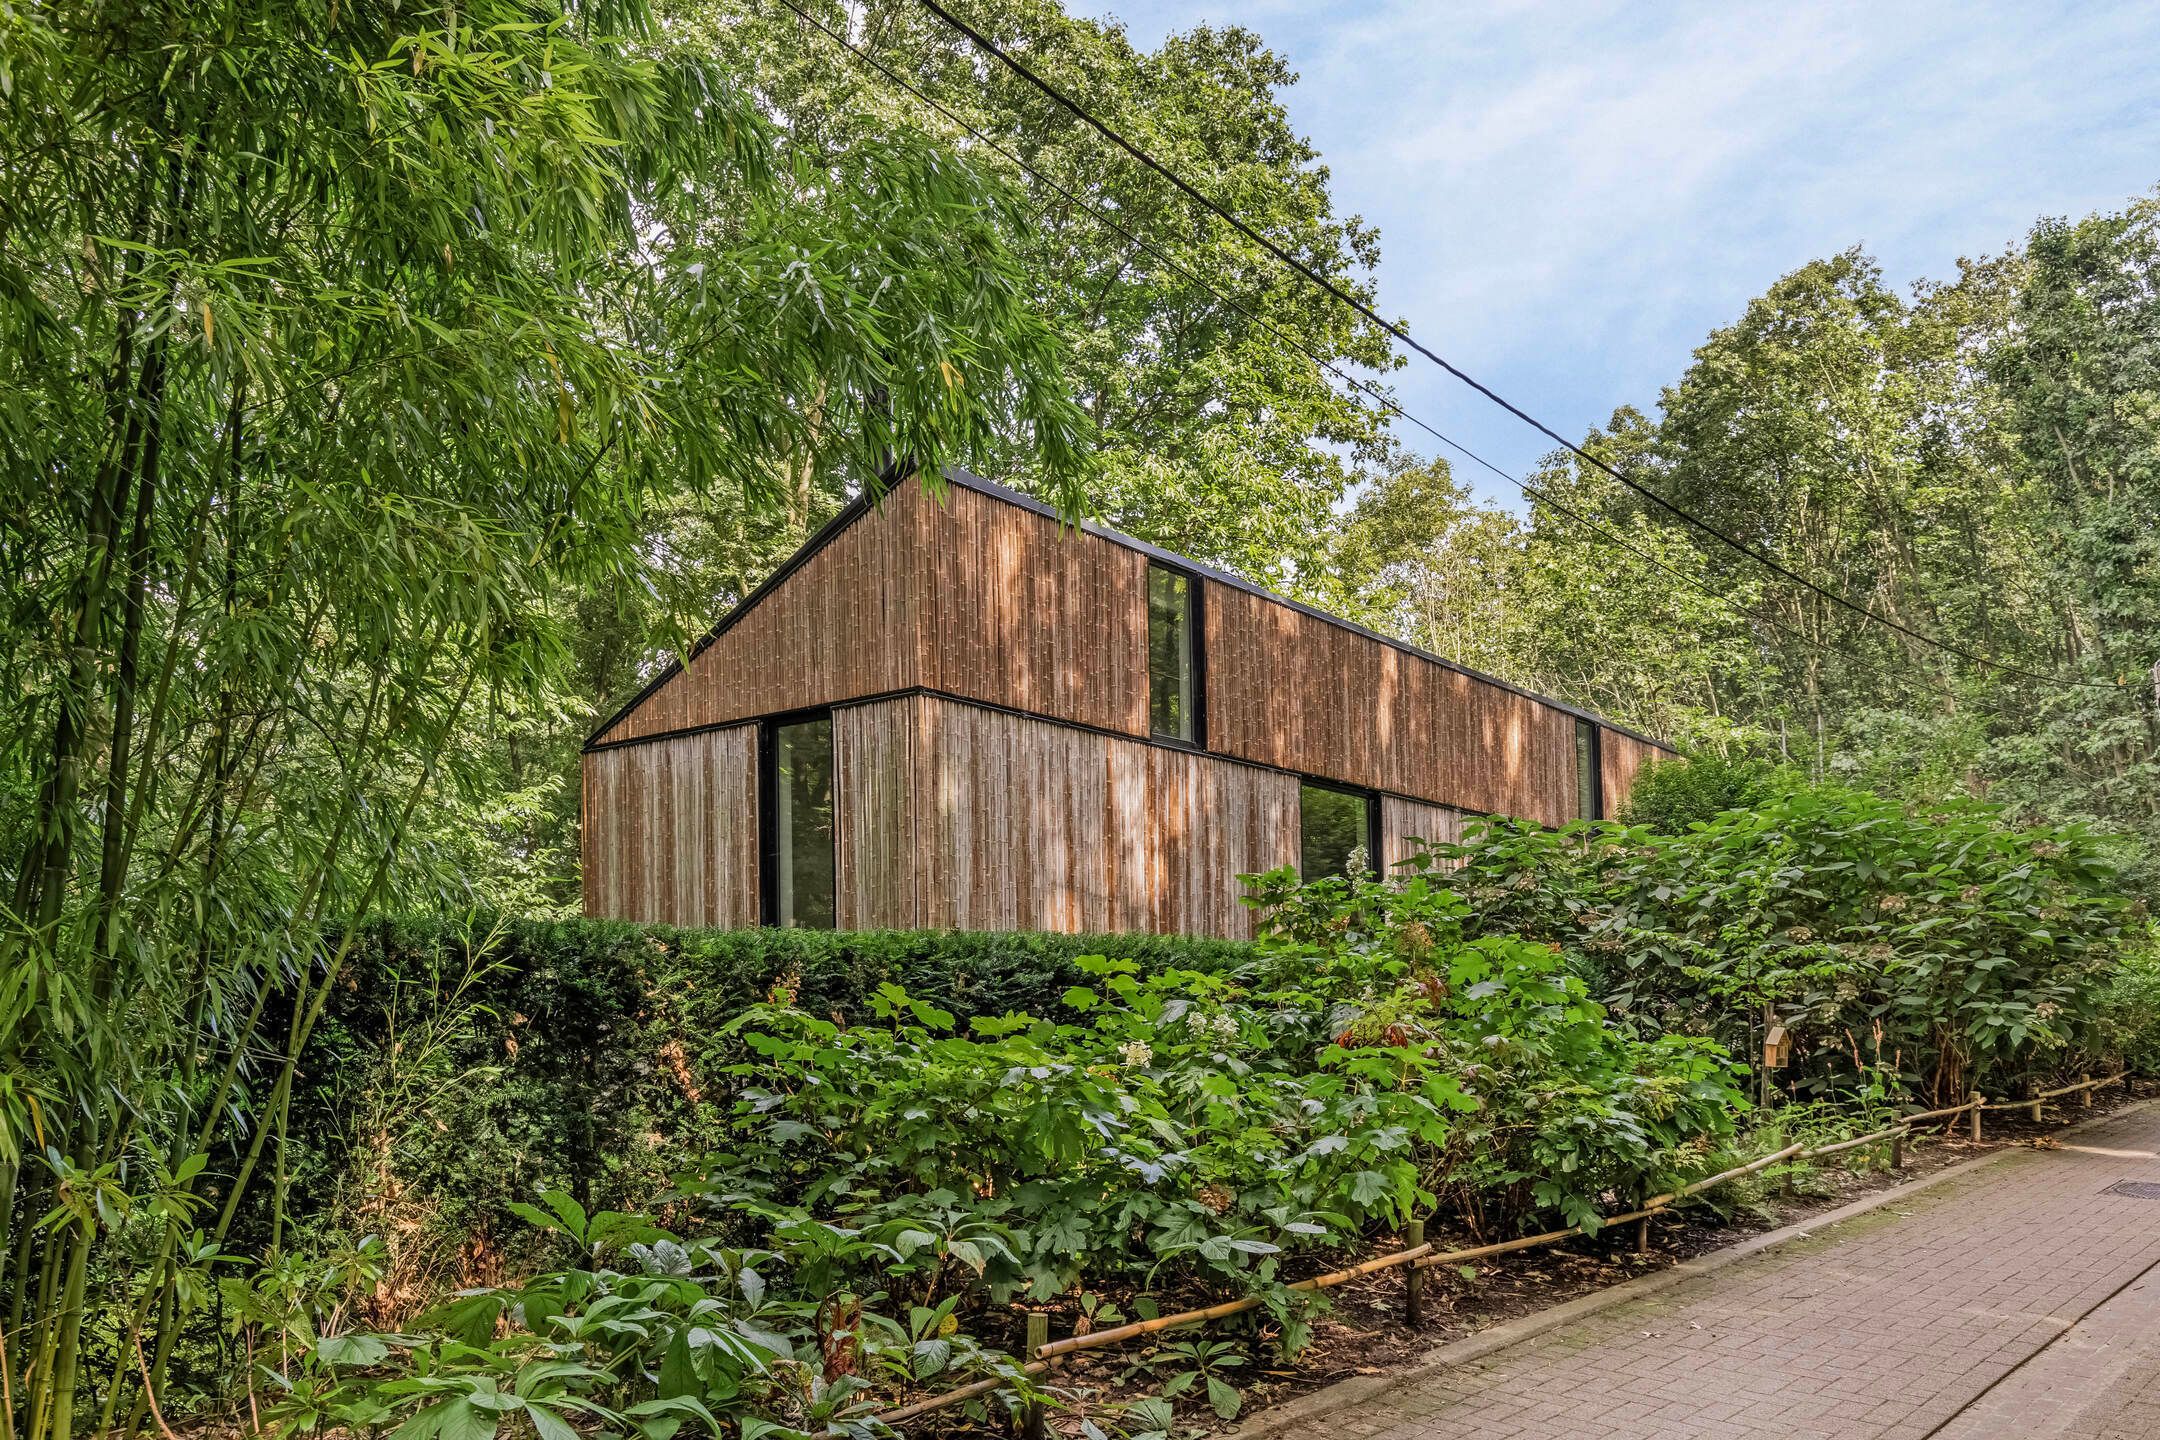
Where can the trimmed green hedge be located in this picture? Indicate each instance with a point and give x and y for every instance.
(465, 1064)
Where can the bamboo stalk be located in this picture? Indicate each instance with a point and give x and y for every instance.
(2081, 1085)
(1722, 1176)
(1875, 1137)
(954, 1397)
(1227, 1308)
(1501, 1247)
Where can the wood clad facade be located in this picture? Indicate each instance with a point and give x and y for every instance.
(1025, 824)
(986, 671)
(1290, 689)
(1404, 823)
(671, 832)
(1621, 758)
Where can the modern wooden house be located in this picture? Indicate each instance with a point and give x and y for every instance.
(954, 711)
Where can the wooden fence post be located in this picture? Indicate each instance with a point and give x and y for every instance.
(1897, 1151)
(2085, 1095)
(1976, 1103)
(1038, 1335)
(1414, 1282)
(2036, 1112)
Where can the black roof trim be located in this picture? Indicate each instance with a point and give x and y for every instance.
(1238, 582)
(954, 475)
(828, 532)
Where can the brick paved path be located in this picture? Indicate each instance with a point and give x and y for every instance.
(1951, 1314)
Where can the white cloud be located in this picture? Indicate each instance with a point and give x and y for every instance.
(1570, 195)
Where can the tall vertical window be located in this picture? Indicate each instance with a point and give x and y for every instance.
(1335, 831)
(1173, 669)
(1589, 790)
(799, 847)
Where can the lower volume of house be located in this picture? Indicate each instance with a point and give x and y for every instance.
(921, 811)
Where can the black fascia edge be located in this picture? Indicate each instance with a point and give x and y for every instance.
(854, 510)
(953, 475)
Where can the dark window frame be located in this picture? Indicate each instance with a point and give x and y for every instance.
(768, 797)
(1376, 863)
(1196, 624)
(1589, 769)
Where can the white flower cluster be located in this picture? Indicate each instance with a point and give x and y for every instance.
(1220, 1026)
(1136, 1052)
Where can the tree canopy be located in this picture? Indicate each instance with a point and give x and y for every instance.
(344, 349)
(1975, 460)
(386, 387)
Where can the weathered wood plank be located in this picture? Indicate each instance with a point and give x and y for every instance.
(670, 830)
(1620, 759)
(1291, 690)
(1405, 822)
(1030, 825)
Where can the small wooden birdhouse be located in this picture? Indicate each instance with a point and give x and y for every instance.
(1776, 1048)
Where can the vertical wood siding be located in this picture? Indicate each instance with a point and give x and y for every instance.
(1034, 615)
(1620, 759)
(1288, 689)
(966, 594)
(1024, 825)
(983, 599)
(877, 882)
(670, 830)
(852, 621)
(1404, 822)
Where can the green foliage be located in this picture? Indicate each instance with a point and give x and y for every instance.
(1568, 1105)
(1943, 947)
(1974, 460)
(469, 1064)
(341, 347)
(646, 1334)
(2127, 1031)
(878, 1178)
(1670, 795)
(1186, 1125)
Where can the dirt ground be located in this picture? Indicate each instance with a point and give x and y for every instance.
(1364, 1332)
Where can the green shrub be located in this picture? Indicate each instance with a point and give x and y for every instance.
(1670, 795)
(466, 1065)
(2128, 1028)
(1574, 1107)
(1366, 1063)
(1945, 948)
(884, 1188)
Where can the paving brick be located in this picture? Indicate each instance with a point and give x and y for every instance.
(1952, 1314)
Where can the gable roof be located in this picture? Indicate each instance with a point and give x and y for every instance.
(862, 504)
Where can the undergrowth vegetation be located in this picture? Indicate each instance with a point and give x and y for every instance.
(568, 1177)
(1935, 951)
(891, 1188)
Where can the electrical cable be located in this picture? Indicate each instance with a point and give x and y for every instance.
(1379, 396)
(997, 52)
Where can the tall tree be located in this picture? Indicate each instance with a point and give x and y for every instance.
(1221, 437)
(339, 343)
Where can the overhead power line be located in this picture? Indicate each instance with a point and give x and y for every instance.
(1388, 402)
(1231, 218)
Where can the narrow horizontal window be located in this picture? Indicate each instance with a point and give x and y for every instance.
(803, 891)
(1173, 685)
(1335, 831)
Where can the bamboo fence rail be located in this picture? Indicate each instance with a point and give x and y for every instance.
(1421, 1256)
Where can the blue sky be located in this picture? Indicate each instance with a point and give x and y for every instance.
(1571, 196)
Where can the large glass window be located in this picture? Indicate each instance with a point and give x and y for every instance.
(1173, 685)
(802, 818)
(1334, 831)
(1589, 793)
